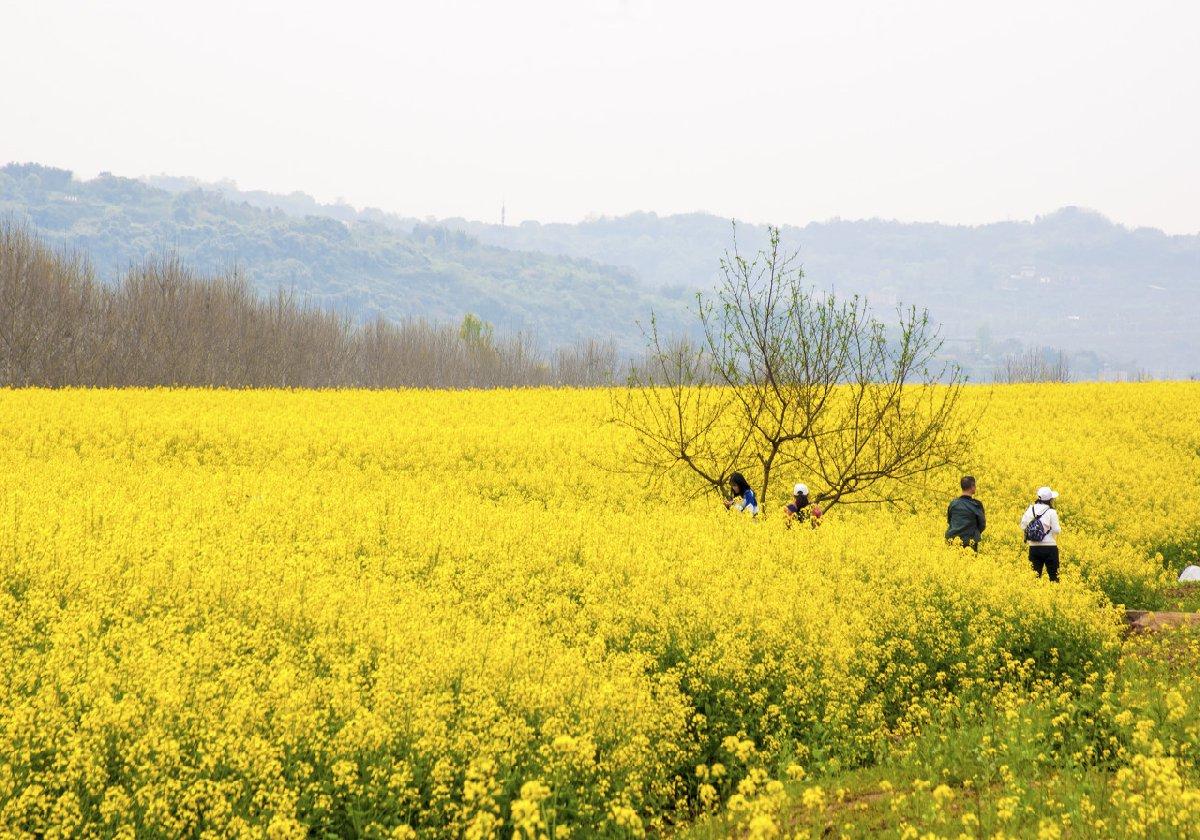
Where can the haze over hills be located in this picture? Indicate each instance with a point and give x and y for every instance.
(1071, 279)
(1118, 299)
(1114, 297)
(361, 264)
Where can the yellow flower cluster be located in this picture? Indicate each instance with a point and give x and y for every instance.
(1125, 458)
(1049, 756)
(291, 613)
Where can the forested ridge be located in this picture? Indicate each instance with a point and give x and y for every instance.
(1110, 295)
(363, 266)
(1120, 301)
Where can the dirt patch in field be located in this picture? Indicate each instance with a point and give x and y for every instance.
(1148, 620)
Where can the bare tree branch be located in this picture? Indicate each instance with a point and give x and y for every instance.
(790, 379)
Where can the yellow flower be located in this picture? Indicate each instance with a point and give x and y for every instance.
(1048, 830)
(283, 603)
(813, 797)
(763, 827)
(942, 794)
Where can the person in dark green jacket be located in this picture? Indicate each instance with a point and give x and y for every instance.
(964, 518)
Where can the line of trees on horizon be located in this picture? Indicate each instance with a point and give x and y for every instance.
(161, 324)
(1034, 365)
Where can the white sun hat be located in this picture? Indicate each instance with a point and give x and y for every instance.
(1045, 494)
(801, 490)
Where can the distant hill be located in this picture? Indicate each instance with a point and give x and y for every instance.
(1119, 300)
(1070, 279)
(358, 263)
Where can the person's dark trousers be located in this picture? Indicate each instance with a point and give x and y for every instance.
(970, 542)
(1044, 556)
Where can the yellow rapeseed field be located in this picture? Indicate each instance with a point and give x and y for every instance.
(293, 614)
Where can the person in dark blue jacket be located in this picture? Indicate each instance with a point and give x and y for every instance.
(964, 518)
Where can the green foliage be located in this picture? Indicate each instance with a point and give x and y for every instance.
(476, 332)
(1120, 301)
(1112, 754)
(362, 264)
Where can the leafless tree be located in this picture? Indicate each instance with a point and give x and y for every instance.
(161, 324)
(788, 380)
(44, 298)
(587, 363)
(1035, 366)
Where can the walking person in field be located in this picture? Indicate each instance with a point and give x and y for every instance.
(799, 510)
(965, 519)
(1040, 526)
(742, 497)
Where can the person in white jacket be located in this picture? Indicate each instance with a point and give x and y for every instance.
(1043, 553)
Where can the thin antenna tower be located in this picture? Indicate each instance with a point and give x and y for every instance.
(501, 212)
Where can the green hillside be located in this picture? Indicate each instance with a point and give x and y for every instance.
(1120, 301)
(1071, 279)
(359, 265)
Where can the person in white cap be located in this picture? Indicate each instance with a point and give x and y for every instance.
(1040, 526)
(798, 509)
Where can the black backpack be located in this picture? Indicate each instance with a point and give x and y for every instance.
(1036, 530)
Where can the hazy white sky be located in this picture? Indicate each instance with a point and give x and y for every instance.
(786, 112)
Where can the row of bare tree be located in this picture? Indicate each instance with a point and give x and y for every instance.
(1035, 366)
(161, 324)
